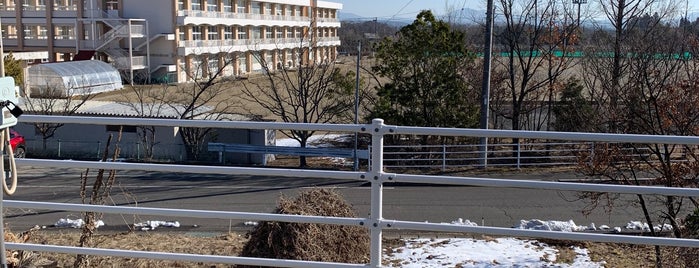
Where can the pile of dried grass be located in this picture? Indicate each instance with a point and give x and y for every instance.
(312, 242)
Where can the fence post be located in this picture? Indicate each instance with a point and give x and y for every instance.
(376, 214)
(519, 152)
(99, 145)
(59, 148)
(444, 157)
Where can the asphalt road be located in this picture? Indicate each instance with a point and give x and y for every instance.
(503, 207)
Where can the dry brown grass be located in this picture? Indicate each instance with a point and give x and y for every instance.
(225, 245)
(231, 244)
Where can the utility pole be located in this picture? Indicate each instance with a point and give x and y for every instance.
(485, 91)
(356, 107)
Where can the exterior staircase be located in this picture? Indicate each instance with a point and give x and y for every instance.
(125, 59)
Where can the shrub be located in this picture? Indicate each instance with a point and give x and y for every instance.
(312, 242)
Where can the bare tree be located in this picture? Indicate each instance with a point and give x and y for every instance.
(535, 38)
(54, 100)
(648, 86)
(312, 91)
(205, 97)
(607, 65)
(144, 101)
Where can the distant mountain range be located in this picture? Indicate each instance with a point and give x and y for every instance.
(463, 16)
(466, 16)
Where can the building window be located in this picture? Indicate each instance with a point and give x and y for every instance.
(211, 5)
(297, 33)
(242, 63)
(8, 5)
(212, 63)
(287, 10)
(267, 8)
(268, 33)
(227, 33)
(64, 32)
(62, 5)
(278, 33)
(289, 33)
(32, 32)
(40, 5)
(213, 33)
(269, 59)
(297, 11)
(196, 5)
(256, 8)
(182, 32)
(27, 5)
(227, 5)
(241, 7)
(196, 32)
(112, 5)
(242, 33)
(9, 31)
(256, 33)
(180, 5)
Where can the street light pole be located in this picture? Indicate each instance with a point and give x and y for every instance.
(579, 3)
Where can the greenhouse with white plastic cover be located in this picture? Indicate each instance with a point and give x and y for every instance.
(64, 79)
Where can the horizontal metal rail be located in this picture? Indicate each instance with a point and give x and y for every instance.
(286, 150)
(178, 256)
(223, 170)
(592, 237)
(206, 214)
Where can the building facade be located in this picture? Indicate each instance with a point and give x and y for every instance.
(175, 40)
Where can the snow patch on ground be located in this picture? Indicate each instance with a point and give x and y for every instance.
(78, 223)
(500, 252)
(152, 225)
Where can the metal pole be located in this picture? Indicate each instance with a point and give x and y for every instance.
(485, 91)
(3, 257)
(376, 213)
(356, 107)
(2, 53)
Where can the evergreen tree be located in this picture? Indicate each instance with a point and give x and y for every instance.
(13, 68)
(427, 66)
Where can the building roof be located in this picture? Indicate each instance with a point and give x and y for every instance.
(117, 109)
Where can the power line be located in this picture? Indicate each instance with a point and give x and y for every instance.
(401, 9)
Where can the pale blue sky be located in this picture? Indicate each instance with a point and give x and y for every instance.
(388, 9)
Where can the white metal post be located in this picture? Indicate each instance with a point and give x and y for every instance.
(130, 52)
(376, 190)
(148, 69)
(3, 257)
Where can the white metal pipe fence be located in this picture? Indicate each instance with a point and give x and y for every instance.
(376, 176)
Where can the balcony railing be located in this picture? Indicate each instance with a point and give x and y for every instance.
(244, 16)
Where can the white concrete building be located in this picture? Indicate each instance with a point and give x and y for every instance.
(175, 40)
